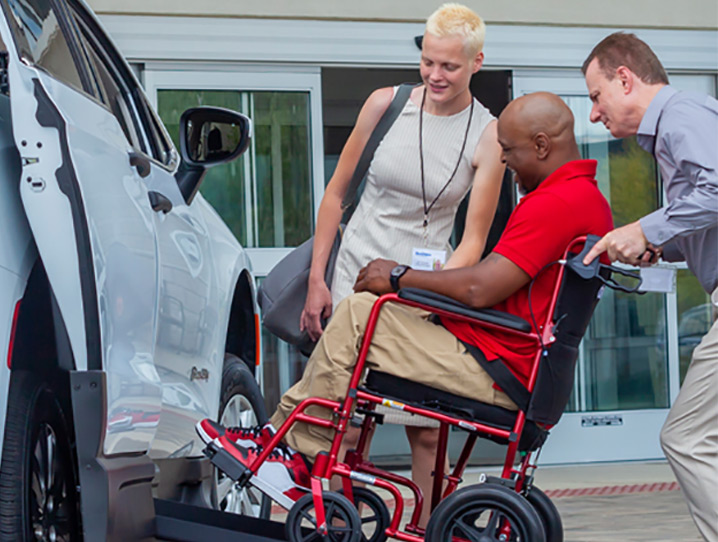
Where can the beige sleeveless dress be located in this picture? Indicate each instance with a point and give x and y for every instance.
(388, 222)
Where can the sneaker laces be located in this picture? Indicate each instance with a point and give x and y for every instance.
(252, 432)
(280, 452)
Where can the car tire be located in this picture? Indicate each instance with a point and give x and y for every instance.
(241, 404)
(38, 480)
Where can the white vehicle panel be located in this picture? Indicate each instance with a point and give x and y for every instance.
(113, 204)
(16, 254)
(48, 206)
(189, 353)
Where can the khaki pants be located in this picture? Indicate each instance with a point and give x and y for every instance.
(405, 344)
(690, 435)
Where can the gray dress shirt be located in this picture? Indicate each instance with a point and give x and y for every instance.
(681, 130)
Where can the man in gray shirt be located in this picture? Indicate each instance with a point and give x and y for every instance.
(631, 96)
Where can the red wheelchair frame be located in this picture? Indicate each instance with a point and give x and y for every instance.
(355, 468)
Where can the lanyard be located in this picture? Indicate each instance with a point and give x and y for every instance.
(427, 208)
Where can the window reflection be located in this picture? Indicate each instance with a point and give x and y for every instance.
(696, 315)
(624, 362)
(265, 195)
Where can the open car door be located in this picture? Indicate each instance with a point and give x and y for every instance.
(83, 156)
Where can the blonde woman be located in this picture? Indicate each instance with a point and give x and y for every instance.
(442, 145)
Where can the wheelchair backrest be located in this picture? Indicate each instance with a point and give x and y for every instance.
(575, 303)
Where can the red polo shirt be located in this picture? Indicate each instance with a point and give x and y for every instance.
(566, 205)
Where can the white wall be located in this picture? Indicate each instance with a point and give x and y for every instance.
(613, 13)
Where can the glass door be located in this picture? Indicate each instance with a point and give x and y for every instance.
(631, 358)
(268, 197)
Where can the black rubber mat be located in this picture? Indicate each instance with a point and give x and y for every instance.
(184, 523)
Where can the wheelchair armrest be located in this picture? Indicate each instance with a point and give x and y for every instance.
(438, 301)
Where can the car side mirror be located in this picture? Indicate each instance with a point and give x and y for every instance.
(209, 136)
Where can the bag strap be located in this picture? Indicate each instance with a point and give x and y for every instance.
(503, 377)
(351, 198)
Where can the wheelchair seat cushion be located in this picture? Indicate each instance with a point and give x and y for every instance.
(406, 391)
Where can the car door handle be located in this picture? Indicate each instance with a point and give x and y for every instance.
(159, 202)
(141, 163)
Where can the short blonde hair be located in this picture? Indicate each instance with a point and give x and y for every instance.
(454, 19)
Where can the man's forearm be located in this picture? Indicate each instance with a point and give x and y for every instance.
(482, 285)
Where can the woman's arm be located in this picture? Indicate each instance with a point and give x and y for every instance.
(483, 200)
(319, 300)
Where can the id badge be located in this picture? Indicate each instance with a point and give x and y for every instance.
(426, 259)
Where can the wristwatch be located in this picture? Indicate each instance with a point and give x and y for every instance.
(396, 274)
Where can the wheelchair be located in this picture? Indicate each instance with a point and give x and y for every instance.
(499, 508)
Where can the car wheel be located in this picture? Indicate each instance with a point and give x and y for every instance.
(241, 404)
(38, 497)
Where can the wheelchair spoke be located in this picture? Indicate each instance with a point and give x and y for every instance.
(329, 512)
(468, 530)
(307, 516)
(494, 523)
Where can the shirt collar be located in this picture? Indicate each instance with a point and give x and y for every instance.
(570, 170)
(649, 123)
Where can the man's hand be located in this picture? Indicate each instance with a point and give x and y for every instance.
(626, 244)
(375, 277)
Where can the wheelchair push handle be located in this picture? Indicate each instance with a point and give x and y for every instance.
(601, 271)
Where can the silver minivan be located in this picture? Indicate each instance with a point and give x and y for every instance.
(127, 307)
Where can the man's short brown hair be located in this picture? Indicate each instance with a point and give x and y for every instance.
(623, 49)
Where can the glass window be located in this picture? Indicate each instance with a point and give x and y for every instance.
(118, 89)
(112, 88)
(624, 361)
(112, 94)
(41, 41)
(266, 196)
(696, 315)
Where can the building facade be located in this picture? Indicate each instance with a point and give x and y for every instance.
(301, 70)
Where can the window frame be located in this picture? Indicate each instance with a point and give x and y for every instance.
(156, 143)
(65, 27)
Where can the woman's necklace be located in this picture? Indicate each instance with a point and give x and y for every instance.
(428, 207)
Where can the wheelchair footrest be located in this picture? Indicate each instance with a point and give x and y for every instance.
(224, 461)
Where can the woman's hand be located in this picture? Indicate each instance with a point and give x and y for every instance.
(318, 306)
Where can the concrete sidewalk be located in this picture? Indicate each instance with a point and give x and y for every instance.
(630, 501)
(601, 502)
(627, 502)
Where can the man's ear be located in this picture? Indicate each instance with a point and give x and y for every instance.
(542, 145)
(478, 62)
(626, 78)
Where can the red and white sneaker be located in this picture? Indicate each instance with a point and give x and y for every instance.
(248, 437)
(284, 475)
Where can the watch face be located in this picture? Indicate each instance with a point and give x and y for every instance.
(398, 271)
(396, 274)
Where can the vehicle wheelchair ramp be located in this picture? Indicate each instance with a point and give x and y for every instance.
(179, 522)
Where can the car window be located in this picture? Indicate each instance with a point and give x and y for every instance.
(105, 58)
(41, 40)
(164, 150)
(112, 90)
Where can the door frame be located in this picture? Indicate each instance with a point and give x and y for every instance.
(621, 434)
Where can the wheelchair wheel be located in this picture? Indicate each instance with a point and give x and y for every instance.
(342, 518)
(547, 511)
(486, 512)
(373, 512)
